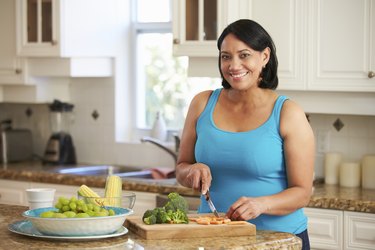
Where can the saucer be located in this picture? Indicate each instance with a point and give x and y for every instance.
(25, 227)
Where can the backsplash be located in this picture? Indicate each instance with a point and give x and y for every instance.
(93, 130)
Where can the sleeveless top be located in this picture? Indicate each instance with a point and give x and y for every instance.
(249, 163)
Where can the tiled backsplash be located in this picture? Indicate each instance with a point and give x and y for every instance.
(94, 138)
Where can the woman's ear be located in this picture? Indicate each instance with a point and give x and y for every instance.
(266, 56)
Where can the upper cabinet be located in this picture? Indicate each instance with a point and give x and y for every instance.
(322, 45)
(342, 52)
(64, 28)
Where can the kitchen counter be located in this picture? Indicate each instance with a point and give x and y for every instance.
(263, 240)
(324, 196)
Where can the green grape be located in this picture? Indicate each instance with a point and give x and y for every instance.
(80, 202)
(59, 215)
(96, 208)
(111, 212)
(104, 211)
(82, 215)
(99, 214)
(90, 207)
(84, 208)
(63, 201)
(90, 213)
(47, 214)
(65, 208)
(72, 205)
(73, 199)
(58, 205)
(70, 214)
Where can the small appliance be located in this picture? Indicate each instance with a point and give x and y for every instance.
(60, 148)
(15, 144)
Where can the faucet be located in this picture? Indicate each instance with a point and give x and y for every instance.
(158, 143)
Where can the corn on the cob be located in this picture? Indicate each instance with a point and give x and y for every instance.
(113, 189)
(94, 198)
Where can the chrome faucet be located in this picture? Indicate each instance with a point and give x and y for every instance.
(158, 143)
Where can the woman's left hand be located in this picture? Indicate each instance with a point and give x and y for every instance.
(246, 208)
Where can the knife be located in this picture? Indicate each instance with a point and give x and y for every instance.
(211, 204)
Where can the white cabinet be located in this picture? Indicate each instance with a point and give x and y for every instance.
(334, 229)
(325, 228)
(342, 41)
(64, 28)
(12, 68)
(359, 230)
(13, 192)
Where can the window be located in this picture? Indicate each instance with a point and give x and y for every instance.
(162, 83)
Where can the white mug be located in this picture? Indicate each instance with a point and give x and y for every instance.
(40, 197)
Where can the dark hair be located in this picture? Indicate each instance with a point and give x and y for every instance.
(257, 38)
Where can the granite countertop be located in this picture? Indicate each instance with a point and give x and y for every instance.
(263, 240)
(324, 196)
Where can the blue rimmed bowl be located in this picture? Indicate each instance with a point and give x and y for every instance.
(77, 226)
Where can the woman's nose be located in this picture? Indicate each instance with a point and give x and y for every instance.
(235, 64)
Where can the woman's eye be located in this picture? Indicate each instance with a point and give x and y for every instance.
(224, 57)
(244, 55)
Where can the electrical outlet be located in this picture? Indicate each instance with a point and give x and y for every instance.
(323, 140)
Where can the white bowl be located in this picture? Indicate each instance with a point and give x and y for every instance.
(77, 226)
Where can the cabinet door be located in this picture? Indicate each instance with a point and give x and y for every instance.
(13, 192)
(11, 66)
(342, 45)
(325, 228)
(359, 230)
(196, 26)
(37, 27)
(285, 21)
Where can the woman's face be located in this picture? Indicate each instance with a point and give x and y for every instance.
(241, 65)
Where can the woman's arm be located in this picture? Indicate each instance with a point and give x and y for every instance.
(299, 152)
(188, 172)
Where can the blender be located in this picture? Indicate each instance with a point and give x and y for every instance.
(60, 148)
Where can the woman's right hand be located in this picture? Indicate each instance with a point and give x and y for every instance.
(199, 177)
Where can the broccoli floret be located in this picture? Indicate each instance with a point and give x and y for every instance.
(173, 212)
(176, 202)
(150, 220)
(177, 217)
(161, 215)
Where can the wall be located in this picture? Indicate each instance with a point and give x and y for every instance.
(94, 138)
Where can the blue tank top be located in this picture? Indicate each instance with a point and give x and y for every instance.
(249, 163)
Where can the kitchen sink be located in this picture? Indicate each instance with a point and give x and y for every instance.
(123, 172)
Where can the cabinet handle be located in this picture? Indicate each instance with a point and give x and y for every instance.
(18, 71)
(176, 41)
(54, 42)
(371, 74)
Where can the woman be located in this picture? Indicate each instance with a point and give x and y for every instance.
(253, 149)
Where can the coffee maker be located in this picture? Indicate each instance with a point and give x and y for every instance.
(60, 148)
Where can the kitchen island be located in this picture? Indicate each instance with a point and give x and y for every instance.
(263, 240)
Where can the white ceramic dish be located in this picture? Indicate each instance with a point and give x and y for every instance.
(25, 227)
(77, 226)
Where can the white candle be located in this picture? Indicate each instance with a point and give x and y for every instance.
(368, 171)
(332, 163)
(350, 174)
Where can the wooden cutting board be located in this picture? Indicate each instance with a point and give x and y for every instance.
(180, 231)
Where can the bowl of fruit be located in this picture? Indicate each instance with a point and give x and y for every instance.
(74, 217)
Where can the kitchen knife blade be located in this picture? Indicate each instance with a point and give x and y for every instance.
(211, 204)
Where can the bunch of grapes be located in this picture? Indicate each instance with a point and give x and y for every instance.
(75, 208)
